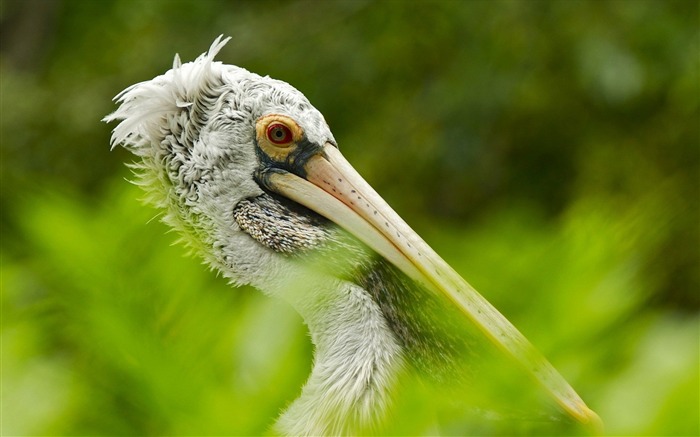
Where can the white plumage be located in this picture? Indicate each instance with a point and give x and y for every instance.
(193, 129)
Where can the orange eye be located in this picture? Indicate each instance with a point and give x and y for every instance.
(279, 134)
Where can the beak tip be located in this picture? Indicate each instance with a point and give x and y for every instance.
(591, 420)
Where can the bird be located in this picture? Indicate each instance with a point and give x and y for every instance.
(248, 173)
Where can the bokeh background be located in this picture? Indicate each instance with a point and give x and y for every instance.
(547, 149)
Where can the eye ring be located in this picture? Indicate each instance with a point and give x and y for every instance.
(279, 134)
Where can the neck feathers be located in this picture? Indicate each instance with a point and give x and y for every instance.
(356, 364)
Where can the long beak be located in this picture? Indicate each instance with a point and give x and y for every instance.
(335, 190)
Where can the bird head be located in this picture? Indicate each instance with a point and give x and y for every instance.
(223, 150)
(206, 134)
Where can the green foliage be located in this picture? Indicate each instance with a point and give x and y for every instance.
(114, 331)
(548, 150)
(124, 346)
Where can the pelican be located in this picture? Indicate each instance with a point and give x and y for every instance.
(250, 175)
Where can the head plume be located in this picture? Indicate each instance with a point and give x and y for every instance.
(146, 106)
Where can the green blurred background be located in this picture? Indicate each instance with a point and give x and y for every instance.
(547, 149)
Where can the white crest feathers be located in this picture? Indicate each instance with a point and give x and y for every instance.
(145, 106)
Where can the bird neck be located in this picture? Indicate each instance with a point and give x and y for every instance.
(356, 363)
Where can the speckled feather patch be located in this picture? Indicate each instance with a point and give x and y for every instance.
(278, 226)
